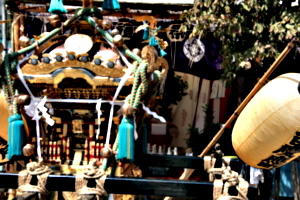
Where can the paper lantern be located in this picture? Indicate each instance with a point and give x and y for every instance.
(267, 132)
(3, 117)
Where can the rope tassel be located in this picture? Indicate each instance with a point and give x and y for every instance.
(16, 135)
(57, 7)
(16, 132)
(126, 140)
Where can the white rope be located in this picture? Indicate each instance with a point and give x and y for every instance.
(154, 114)
(99, 113)
(33, 106)
(120, 86)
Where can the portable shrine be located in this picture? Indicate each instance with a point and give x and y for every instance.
(76, 98)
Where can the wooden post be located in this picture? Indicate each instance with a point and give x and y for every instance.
(16, 32)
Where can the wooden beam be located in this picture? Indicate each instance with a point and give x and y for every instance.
(137, 186)
(193, 162)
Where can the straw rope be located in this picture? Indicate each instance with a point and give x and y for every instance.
(25, 177)
(93, 171)
(229, 178)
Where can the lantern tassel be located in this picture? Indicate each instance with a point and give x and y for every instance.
(57, 7)
(126, 140)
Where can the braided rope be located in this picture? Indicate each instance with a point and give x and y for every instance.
(134, 87)
(209, 164)
(140, 85)
(15, 107)
(229, 178)
(7, 68)
(135, 67)
(142, 88)
(218, 187)
(7, 83)
(7, 97)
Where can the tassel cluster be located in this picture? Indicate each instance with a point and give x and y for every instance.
(57, 7)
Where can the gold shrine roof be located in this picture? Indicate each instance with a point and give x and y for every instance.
(102, 68)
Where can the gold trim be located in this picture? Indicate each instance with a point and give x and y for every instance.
(49, 43)
(46, 68)
(76, 73)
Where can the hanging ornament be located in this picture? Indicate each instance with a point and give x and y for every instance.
(193, 49)
(57, 7)
(126, 140)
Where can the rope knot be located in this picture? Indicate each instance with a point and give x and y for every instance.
(25, 177)
(92, 171)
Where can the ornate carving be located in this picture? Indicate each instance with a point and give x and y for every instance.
(149, 54)
(47, 68)
(74, 73)
(163, 64)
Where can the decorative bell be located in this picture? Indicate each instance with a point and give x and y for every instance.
(28, 150)
(23, 99)
(106, 152)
